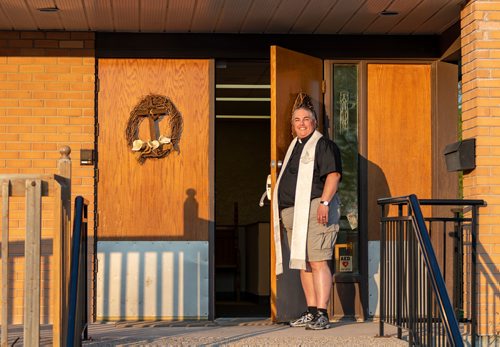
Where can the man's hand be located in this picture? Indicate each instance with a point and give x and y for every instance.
(329, 190)
(323, 214)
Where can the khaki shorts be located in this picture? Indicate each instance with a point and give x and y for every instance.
(320, 238)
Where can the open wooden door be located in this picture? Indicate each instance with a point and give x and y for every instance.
(291, 73)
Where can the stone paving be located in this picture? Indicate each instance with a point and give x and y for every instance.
(230, 332)
(223, 332)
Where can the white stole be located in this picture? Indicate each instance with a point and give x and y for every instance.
(301, 207)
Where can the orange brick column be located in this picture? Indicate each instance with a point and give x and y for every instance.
(46, 101)
(480, 23)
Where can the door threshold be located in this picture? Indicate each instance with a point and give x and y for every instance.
(243, 321)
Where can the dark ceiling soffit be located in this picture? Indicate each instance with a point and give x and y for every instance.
(255, 46)
(448, 37)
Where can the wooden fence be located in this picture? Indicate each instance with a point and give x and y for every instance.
(33, 188)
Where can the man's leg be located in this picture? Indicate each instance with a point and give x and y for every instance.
(306, 278)
(320, 245)
(322, 282)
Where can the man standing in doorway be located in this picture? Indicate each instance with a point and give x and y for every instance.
(305, 198)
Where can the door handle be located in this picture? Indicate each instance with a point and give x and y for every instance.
(267, 193)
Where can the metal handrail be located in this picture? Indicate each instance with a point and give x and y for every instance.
(435, 202)
(437, 280)
(77, 316)
(434, 274)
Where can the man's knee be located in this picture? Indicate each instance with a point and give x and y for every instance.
(318, 265)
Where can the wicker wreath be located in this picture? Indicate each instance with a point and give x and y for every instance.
(156, 108)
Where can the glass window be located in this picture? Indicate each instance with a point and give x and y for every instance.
(345, 135)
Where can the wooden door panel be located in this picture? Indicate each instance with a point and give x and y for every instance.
(291, 73)
(163, 199)
(399, 135)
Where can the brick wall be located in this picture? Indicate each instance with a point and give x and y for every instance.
(46, 102)
(480, 24)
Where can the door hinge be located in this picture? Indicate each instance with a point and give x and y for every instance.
(97, 85)
(97, 130)
(96, 175)
(323, 86)
(97, 219)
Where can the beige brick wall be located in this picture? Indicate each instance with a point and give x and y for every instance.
(46, 102)
(480, 24)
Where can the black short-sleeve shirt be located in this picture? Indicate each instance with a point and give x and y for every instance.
(326, 160)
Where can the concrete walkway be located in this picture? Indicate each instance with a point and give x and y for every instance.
(237, 332)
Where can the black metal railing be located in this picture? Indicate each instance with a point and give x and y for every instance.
(415, 283)
(78, 315)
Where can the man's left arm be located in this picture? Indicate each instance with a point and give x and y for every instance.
(329, 190)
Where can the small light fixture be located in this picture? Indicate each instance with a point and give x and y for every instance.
(388, 13)
(52, 9)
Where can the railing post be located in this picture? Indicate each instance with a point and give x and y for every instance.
(84, 281)
(32, 263)
(5, 262)
(64, 170)
(411, 281)
(473, 276)
(382, 272)
(74, 321)
(62, 223)
(399, 272)
(458, 277)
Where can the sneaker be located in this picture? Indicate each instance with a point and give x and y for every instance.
(319, 322)
(302, 321)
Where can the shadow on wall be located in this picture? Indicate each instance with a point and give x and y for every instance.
(489, 293)
(144, 280)
(377, 187)
(191, 216)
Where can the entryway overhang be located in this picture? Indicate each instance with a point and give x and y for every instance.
(356, 17)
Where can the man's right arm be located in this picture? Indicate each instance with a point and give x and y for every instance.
(329, 190)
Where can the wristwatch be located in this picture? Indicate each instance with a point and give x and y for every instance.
(326, 203)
